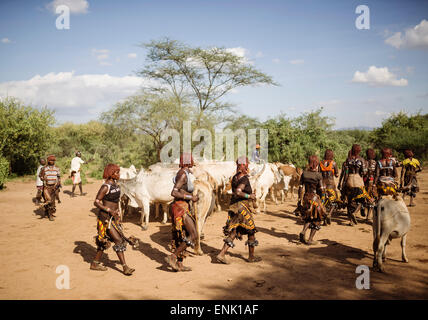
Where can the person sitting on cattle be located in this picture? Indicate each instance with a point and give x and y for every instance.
(255, 157)
(51, 177)
(240, 219)
(411, 167)
(108, 220)
(183, 221)
(353, 184)
(328, 169)
(386, 175)
(39, 182)
(310, 205)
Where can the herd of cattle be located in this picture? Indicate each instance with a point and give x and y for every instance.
(153, 186)
(142, 188)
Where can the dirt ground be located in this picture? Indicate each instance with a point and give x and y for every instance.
(31, 248)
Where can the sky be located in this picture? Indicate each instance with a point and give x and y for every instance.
(312, 49)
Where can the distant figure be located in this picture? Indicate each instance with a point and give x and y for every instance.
(51, 177)
(255, 157)
(39, 182)
(75, 172)
(411, 167)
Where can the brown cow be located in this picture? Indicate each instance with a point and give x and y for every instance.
(295, 173)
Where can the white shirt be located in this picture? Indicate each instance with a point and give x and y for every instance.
(39, 182)
(75, 164)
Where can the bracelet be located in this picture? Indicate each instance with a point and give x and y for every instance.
(247, 196)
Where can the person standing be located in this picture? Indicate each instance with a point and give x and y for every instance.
(328, 169)
(386, 176)
(411, 167)
(51, 177)
(39, 182)
(310, 206)
(108, 220)
(353, 184)
(75, 173)
(183, 221)
(240, 219)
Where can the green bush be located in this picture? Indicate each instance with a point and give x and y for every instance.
(25, 134)
(4, 170)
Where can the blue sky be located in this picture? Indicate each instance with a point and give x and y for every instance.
(311, 48)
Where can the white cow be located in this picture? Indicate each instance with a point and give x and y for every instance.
(390, 220)
(149, 187)
(128, 173)
(261, 182)
(221, 172)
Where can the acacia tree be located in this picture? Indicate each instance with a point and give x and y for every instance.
(149, 114)
(202, 76)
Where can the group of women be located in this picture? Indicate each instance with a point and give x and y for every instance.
(362, 182)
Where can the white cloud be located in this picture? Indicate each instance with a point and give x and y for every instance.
(132, 55)
(75, 6)
(240, 52)
(413, 38)
(297, 61)
(68, 90)
(102, 55)
(5, 40)
(378, 77)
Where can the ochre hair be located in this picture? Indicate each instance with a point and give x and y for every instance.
(328, 155)
(408, 153)
(313, 162)
(242, 165)
(186, 159)
(371, 154)
(356, 149)
(109, 170)
(386, 153)
(51, 158)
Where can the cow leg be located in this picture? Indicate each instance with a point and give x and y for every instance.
(403, 248)
(145, 215)
(384, 251)
(380, 252)
(282, 196)
(157, 204)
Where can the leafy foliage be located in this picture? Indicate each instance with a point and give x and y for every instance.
(25, 134)
(4, 170)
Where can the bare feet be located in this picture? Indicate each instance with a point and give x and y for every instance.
(95, 265)
(254, 259)
(222, 259)
(127, 270)
(172, 262)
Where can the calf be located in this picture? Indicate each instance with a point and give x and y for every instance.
(391, 220)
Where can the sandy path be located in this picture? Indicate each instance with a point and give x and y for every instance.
(31, 248)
